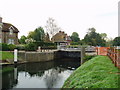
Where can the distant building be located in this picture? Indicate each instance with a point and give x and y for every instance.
(8, 33)
(46, 38)
(61, 38)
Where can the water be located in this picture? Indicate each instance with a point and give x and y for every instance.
(50, 74)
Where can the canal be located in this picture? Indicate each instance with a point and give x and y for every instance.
(50, 74)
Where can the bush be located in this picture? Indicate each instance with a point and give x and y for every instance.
(49, 47)
(88, 57)
(11, 47)
(31, 47)
(7, 47)
(46, 45)
(4, 46)
(20, 47)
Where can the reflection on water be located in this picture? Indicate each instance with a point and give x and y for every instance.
(39, 75)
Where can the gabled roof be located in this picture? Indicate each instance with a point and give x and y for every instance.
(6, 26)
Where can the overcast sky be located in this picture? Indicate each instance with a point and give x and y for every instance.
(70, 15)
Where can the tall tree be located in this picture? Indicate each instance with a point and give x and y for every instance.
(109, 42)
(116, 41)
(38, 34)
(75, 37)
(93, 38)
(103, 36)
(22, 39)
(31, 34)
(52, 27)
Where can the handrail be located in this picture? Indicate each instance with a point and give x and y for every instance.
(114, 54)
(65, 47)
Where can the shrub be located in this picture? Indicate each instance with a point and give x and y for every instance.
(11, 47)
(30, 47)
(20, 47)
(88, 57)
(4, 46)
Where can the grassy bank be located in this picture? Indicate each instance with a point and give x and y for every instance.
(6, 55)
(99, 72)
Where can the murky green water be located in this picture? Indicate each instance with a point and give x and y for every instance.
(38, 75)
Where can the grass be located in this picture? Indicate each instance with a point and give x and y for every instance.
(99, 72)
(6, 55)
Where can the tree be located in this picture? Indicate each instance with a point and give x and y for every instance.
(103, 36)
(75, 37)
(31, 34)
(116, 41)
(22, 39)
(52, 27)
(38, 34)
(93, 38)
(109, 42)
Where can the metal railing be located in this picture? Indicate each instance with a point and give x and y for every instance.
(75, 48)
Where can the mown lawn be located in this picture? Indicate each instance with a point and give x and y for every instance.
(99, 72)
(6, 55)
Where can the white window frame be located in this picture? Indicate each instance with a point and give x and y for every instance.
(11, 30)
(10, 41)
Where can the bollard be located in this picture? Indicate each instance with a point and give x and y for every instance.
(15, 55)
(82, 54)
(39, 49)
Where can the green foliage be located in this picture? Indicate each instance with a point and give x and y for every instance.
(31, 34)
(109, 42)
(7, 47)
(99, 72)
(88, 57)
(20, 47)
(94, 39)
(22, 39)
(74, 43)
(11, 47)
(116, 41)
(30, 47)
(38, 34)
(46, 45)
(75, 37)
(103, 35)
(4, 46)
(6, 55)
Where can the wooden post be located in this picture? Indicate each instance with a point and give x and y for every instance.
(82, 54)
(15, 55)
(15, 74)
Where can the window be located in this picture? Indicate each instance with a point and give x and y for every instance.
(0, 40)
(10, 41)
(11, 30)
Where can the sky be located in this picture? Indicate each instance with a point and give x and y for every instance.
(70, 15)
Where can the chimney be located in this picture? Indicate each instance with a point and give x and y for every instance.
(0, 19)
(60, 31)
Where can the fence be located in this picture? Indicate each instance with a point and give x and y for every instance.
(114, 54)
(102, 50)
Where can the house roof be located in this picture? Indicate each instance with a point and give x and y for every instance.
(6, 26)
(61, 37)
